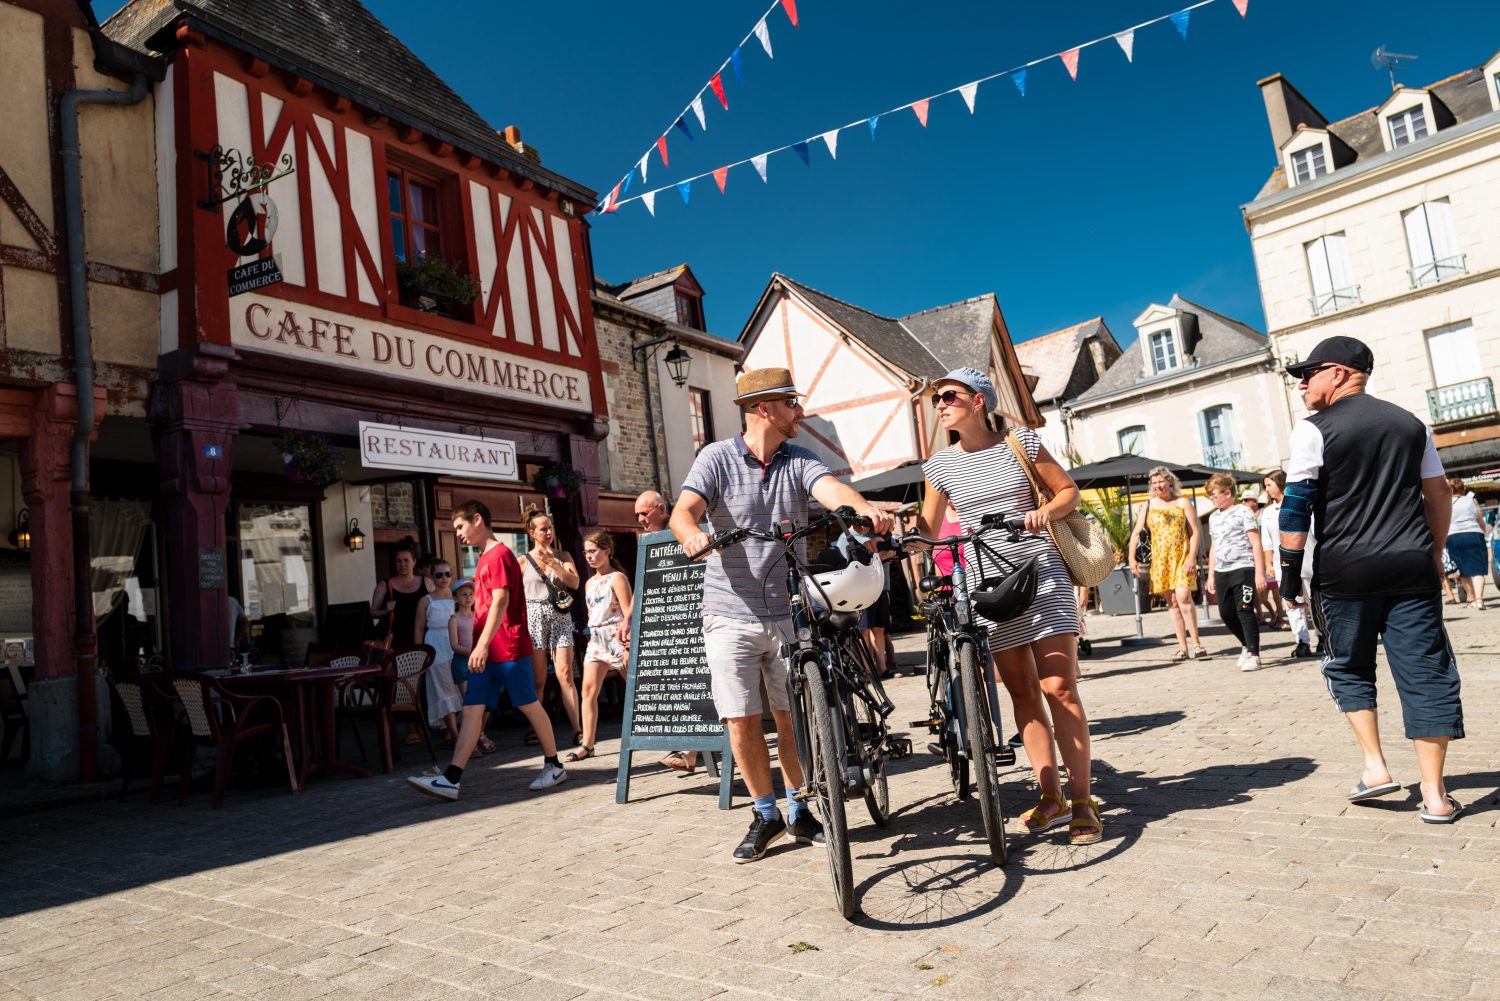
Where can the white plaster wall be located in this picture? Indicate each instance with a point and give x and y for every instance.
(712, 372)
(350, 576)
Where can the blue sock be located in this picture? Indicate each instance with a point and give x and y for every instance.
(766, 807)
(794, 807)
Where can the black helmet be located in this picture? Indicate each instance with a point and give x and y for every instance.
(1001, 599)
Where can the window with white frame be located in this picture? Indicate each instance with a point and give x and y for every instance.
(1216, 429)
(1132, 440)
(1328, 267)
(1163, 351)
(1309, 164)
(1433, 243)
(1409, 126)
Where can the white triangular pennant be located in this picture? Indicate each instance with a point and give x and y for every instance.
(831, 137)
(760, 165)
(967, 91)
(1127, 42)
(698, 110)
(645, 161)
(764, 34)
(649, 198)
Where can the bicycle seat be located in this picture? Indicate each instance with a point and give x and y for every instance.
(841, 621)
(930, 583)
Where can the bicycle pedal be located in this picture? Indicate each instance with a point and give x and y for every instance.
(928, 723)
(898, 747)
(1005, 755)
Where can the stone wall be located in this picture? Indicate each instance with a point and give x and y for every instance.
(625, 463)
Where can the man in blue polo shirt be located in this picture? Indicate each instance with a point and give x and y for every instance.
(755, 480)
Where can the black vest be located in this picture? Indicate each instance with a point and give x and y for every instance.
(1372, 530)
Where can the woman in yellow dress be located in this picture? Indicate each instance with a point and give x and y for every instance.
(1174, 554)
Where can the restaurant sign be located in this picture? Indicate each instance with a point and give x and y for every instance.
(385, 446)
(313, 334)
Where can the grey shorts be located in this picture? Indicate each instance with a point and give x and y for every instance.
(741, 655)
(549, 628)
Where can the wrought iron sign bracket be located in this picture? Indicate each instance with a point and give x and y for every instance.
(232, 174)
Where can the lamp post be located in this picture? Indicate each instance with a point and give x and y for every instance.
(678, 362)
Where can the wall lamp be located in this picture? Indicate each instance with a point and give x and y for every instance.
(355, 540)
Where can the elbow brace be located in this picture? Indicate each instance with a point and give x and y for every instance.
(1297, 506)
(1291, 574)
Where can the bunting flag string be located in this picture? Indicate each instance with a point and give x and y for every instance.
(715, 84)
(968, 91)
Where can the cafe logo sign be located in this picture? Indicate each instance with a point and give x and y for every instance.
(385, 446)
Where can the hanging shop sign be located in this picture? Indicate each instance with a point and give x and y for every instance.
(386, 446)
(261, 323)
(252, 225)
(257, 274)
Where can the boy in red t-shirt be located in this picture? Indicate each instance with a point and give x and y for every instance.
(501, 657)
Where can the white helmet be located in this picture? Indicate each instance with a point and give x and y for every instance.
(852, 589)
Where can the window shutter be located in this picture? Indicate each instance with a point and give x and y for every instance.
(1317, 266)
(1418, 237)
(1440, 228)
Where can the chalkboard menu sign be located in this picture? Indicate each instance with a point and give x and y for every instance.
(668, 706)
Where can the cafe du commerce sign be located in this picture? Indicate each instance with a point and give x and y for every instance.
(316, 335)
(385, 446)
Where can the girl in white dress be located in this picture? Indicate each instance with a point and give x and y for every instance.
(433, 612)
(607, 595)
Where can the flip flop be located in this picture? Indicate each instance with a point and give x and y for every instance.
(1432, 818)
(1363, 792)
(677, 762)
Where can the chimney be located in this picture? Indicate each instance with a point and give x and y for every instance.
(1096, 355)
(1286, 109)
(512, 136)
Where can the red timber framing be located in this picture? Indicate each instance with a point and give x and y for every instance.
(552, 250)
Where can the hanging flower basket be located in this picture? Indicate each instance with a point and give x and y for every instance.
(559, 481)
(433, 282)
(309, 458)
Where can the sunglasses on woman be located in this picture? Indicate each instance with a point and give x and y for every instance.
(441, 573)
(948, 397)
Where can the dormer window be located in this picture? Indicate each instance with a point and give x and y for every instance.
(689, 310)
(1408, 127)
(1309, 164)
(1163, 350)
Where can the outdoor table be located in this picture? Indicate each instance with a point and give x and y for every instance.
(304, 684)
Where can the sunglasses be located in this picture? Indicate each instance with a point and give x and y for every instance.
(1309, 373)
(440, 573)
(947, 397)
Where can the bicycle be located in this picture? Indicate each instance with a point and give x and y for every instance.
(838, 704)
(966, 724)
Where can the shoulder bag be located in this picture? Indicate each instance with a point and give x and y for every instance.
(1085, 549)
(560, 597)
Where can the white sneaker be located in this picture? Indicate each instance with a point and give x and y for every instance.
(434, 785)
(1240, 663)
(1250, 663)
(551, 776)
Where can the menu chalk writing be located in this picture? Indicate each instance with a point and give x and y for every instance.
(668, 701)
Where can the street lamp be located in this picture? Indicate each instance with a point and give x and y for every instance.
(678, 361)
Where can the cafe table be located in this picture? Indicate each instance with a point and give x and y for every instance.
(313, 691)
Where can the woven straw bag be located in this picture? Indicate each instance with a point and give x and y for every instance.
(1085, 549)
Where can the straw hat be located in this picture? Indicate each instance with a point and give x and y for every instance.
(765, 384)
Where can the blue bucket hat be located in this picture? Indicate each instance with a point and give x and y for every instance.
(977, 382)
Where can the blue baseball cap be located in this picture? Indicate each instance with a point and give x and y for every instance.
(977, 382)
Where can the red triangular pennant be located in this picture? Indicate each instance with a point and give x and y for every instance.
(612, 202)
(920, 107)
(720, 175)
(1242, 6)
(718, 86)
(1070, 60)
(661, 147)
(791, 10)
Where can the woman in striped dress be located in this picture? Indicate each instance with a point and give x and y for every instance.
(1035, 653)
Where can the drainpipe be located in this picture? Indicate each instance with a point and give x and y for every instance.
(85, 643)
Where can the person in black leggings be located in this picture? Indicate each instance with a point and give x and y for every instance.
(1236, 567)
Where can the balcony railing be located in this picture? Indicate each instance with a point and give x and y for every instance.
(1334, 299)
(1462, 401)
(1436, 271)
(1221, 457)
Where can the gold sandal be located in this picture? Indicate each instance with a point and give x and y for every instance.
(1087, 837)
(1032, 821)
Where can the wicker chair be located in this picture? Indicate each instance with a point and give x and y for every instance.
(153, 718)
(394, 691)
(221, 719)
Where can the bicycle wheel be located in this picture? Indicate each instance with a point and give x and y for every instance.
(865, 732)
(827, 784)
(981, 739)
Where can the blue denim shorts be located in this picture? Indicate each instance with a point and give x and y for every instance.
(511, 676)
(1417, 647)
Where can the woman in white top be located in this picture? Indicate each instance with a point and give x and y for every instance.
(1036, 653)
(433, 613)
(1466, 542)
(551, 630)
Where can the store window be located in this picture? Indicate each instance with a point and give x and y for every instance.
(276, 566)
(700, 411)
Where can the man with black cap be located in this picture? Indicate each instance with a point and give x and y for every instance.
(1368, 473)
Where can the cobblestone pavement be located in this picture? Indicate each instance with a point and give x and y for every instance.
(1231, 867)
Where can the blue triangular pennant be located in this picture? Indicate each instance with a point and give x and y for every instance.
(801, 149)
(1181, 20)
(685, 129)
(734, 61)
(873, 121)
(625, 188)
(685, 189)
(1019, 76)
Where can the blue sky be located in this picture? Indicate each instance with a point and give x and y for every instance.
(1083, 198)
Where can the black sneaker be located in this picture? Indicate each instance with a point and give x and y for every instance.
(806, 829)
(1303, 650)
(761, 836)
(1015, 741)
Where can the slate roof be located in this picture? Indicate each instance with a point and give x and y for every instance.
(959, 333)
(885, 336)
(1464, 94)
(1054, 356)
(646, 283)
(342, 47)
(1220, 339)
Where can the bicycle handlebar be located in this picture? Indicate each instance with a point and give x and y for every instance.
(990, 522)
(785, 535)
